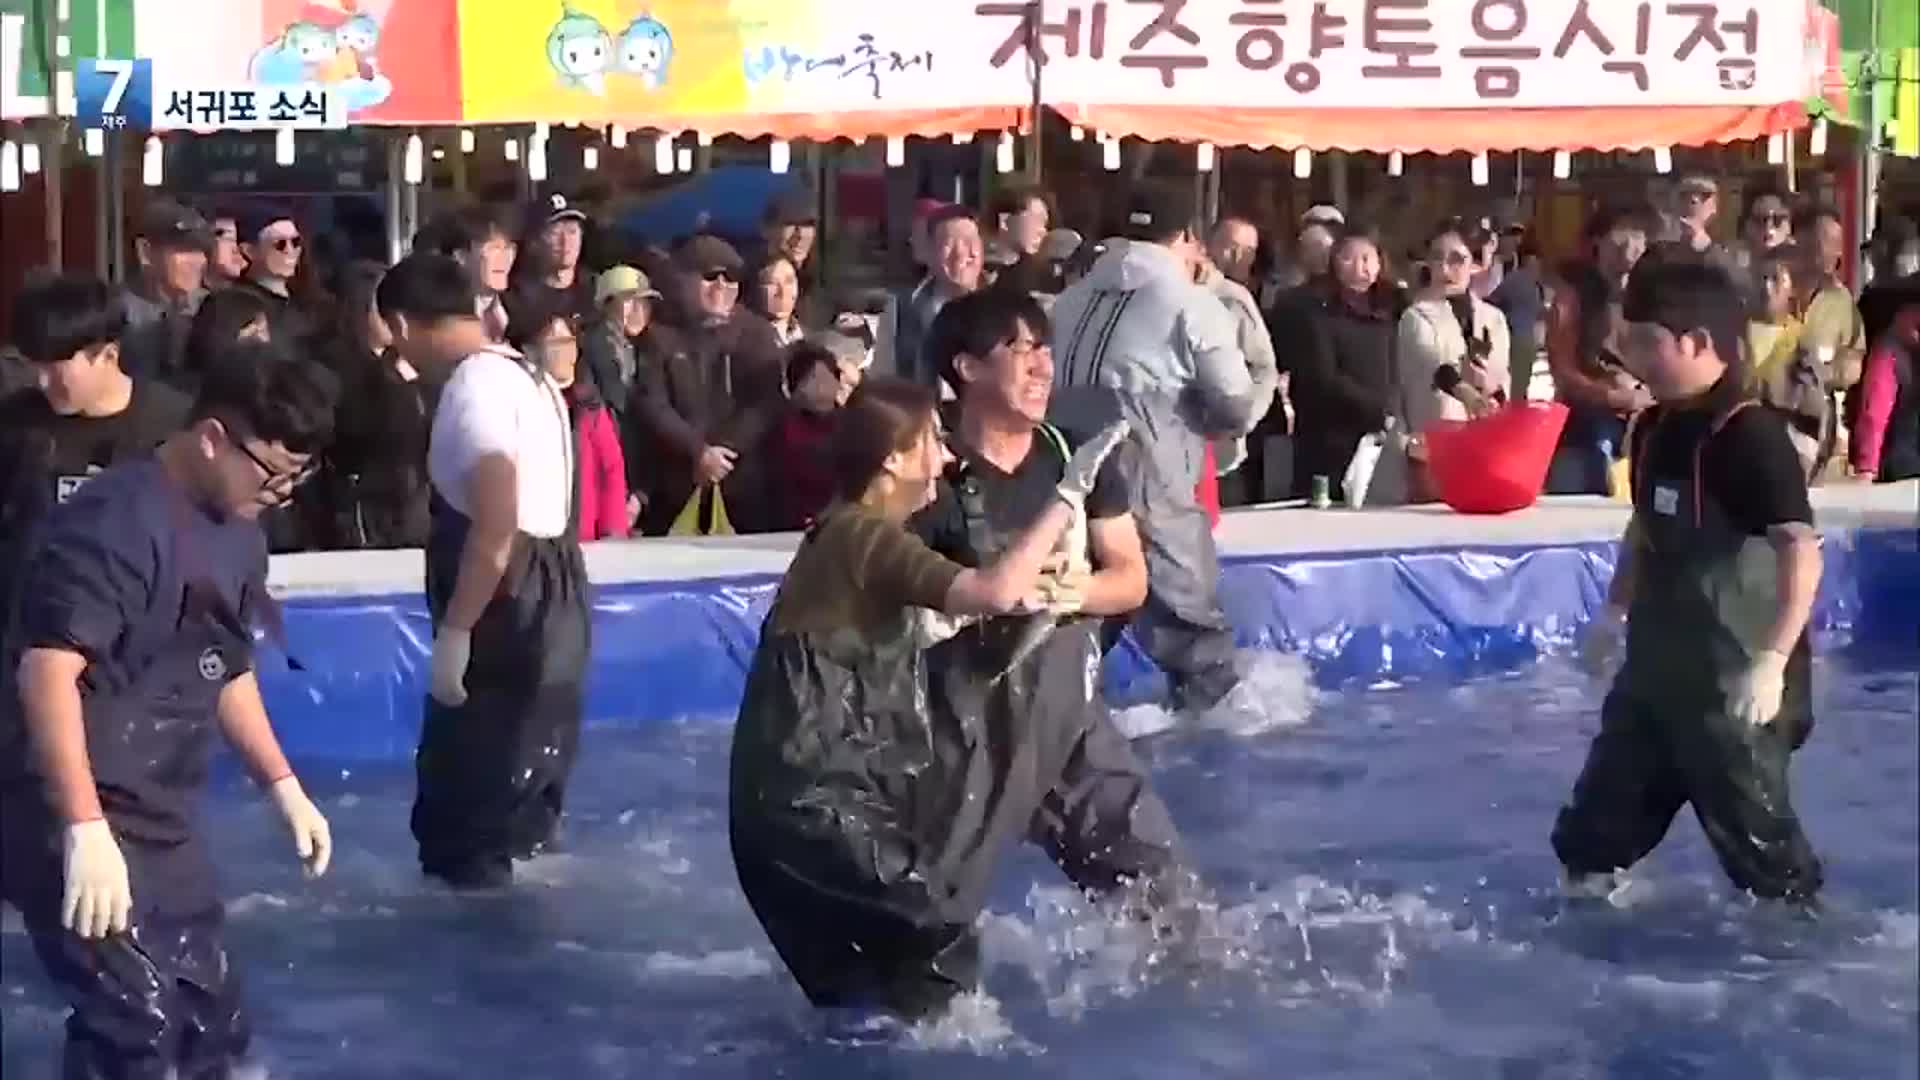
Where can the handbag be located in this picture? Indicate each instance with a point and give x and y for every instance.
(704, 515)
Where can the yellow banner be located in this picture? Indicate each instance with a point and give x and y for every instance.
(658, 62)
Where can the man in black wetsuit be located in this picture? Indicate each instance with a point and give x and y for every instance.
(131, 644)
(1717, 577)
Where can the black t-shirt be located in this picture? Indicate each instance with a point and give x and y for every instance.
(46, 457)
(1749, 468)
(1012, 501)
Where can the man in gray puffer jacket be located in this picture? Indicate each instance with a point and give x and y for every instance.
(1137, 338)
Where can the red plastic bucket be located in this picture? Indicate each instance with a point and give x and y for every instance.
(1496, 464)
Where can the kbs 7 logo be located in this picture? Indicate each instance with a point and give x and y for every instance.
(113, 93)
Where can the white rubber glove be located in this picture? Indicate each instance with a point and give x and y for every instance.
(1602, 642)
(99, 899)
(311, 836)
(452, 649)
(1083, 469)
(1755, 695)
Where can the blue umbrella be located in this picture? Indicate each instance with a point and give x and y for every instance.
(728, 200)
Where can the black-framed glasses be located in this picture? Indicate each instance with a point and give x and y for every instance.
(275, 481)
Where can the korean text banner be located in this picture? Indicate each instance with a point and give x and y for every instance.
(390, 61)
(1413, 54)
(665, 62)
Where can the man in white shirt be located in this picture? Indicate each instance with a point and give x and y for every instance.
(506, 586)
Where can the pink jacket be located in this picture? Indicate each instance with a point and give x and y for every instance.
(1879, 390)
(603, 473)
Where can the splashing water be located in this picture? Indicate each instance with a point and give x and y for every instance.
(1275, 692)
(1382, 903)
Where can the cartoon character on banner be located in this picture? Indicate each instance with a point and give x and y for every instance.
(646, 50)
(580, 50)
(334, 44)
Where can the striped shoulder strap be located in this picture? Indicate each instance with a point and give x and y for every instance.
(1053, 435)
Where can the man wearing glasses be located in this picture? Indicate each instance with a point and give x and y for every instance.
(506, 585)
(708, 406)
(131, 644)
(271, 242)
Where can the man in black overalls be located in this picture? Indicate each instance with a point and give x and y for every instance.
(1716, 582)
(506, 585)
(1065, 777)
(130, 645)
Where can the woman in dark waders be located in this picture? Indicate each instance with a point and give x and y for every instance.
(857, 810)
(1716, 581)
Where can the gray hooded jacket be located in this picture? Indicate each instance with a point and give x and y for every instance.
(1137, 338)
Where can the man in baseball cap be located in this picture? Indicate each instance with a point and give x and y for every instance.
(172, 243)
(549, 257)
(1137, 337)
(790, 226)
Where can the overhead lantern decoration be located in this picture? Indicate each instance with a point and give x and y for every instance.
(153, 163)
(30, 157)
(896, 151)
(1203, 157)
(683, 159)
(1817, 142)
(1079, 133)
(95, 142)
(413, 164)
(466, 140)
(1396, 163)
(1302, 163)
(779, 156)
(962, 138)
(9, 165)
(511, 149)
(590, 158)
(1777, 149)
(1663, 159)
(663, 155)
(537, 159)
(1110, 153)
(1003, 154)
(1482, 169)
(704, 138)
(1562, 164)
(283, 147)
(617, 137)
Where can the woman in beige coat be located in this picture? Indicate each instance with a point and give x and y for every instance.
(1453, 346)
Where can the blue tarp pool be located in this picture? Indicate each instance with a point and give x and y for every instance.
(1389, 907)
